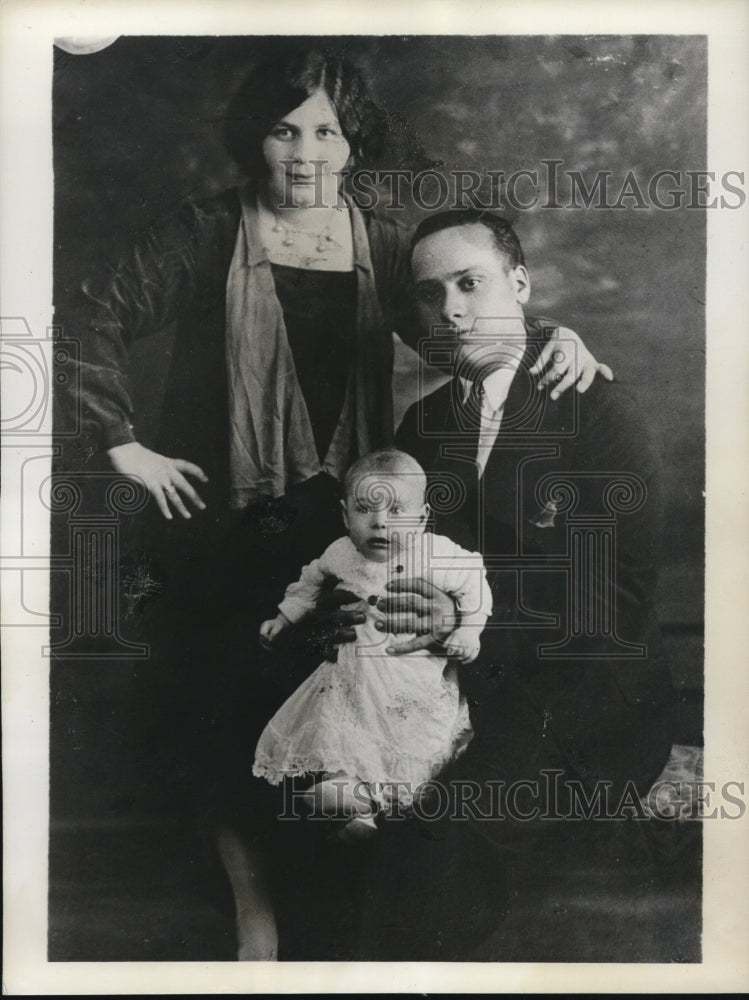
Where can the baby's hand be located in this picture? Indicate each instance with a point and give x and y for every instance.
(463, 645)
(271, 629)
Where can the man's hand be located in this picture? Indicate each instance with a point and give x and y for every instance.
(162, 476)
(568, 362)
(416, 605)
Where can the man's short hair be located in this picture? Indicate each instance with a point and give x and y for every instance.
(387, 462)
(503, 235)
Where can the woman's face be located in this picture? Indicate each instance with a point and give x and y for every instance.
(304, 152)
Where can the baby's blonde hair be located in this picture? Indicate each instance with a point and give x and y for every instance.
(387, 461)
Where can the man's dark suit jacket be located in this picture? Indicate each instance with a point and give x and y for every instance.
(567, 516)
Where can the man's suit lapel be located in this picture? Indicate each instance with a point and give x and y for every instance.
(453, 479)
(493, 506)
(502, 482)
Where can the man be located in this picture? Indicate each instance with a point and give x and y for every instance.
(572, 701)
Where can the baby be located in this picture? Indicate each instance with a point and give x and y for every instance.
(371, 728)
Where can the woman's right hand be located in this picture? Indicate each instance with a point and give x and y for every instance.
(162, 476)
(331, 624)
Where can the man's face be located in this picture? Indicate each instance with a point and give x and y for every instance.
(464, 282)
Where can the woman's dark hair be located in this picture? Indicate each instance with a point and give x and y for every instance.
(282, 82)
(503, 235)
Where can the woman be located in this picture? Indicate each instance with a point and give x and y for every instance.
(285, 297)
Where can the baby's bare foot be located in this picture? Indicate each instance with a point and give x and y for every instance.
(339, 797)
(359, 828)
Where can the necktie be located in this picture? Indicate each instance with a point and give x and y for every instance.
(477, 422)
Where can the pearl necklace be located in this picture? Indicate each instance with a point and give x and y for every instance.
(323, 239)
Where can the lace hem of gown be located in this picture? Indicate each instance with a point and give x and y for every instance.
(408, 774)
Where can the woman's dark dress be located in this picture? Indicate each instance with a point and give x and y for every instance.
(250, 556)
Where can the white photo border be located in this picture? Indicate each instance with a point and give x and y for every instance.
(27, 30)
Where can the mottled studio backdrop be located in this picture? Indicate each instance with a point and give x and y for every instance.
(137, 128)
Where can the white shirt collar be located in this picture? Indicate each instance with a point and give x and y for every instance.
(495, 388)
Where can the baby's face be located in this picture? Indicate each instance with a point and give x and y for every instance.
(383, 513)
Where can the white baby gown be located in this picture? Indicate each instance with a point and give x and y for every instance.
(383, 719)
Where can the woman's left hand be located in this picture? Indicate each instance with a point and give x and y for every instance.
(568, 362)
(416, 605)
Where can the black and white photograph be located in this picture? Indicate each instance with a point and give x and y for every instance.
(367, 432)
